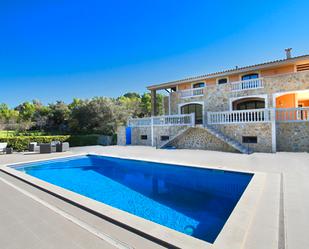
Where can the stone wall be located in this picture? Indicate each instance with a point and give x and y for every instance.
(293, 137)
(217, 97)
(261, 130)
(199, 138)
(138, 132)
(121, 135)
(170, 131)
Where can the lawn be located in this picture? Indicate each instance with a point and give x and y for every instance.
(6, 133)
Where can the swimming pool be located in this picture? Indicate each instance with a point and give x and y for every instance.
(190, 200)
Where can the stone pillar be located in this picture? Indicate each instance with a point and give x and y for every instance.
(153, 103)
(273, 130)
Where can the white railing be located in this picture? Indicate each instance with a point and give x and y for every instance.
(169, 120)
(193, 92)
(247, 84)
(244, 116)
(300, 114)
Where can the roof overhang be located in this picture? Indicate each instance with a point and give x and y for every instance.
(269, 65)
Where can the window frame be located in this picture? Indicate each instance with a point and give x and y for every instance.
(201, 82)
(249, 139)
(187, 105)
(227, 80)
(144, 137)
(246, 101)
(246, 74)
(166, 138)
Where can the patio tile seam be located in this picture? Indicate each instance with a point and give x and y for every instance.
(100, 235)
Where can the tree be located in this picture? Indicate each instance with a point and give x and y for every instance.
(40, 117)
(94, 116)
(8, 117)
(131, 105)
(26, 111)
(97, 115)
(58, 116)
(132, 95)
(146, 104)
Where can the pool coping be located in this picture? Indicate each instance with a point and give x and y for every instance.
(232, 235)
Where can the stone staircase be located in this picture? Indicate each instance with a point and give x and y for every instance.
(166, 145)
(232, 142)
(213, 131)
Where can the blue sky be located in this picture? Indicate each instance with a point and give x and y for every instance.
(58, 50)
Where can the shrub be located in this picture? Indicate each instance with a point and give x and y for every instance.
(83, 140)
(20, 143)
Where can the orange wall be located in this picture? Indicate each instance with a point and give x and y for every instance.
(236, 77)
(211, 81)
(278, 70)
(184, 86)
(286, 101)
(304, 102)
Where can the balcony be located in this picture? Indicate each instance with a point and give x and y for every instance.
(235, 117)
(247, 84)
(193, 92)
(300, 114)
(168, 120)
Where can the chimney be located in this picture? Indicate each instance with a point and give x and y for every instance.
(288, 53)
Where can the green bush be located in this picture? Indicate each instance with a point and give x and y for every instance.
(21, 143)
(83, 140)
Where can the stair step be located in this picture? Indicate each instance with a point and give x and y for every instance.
(235, 144)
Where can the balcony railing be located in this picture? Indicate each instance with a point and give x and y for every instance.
(193, 92)
(247, 84)
(300, 114)
(244, 116)
(170, 120)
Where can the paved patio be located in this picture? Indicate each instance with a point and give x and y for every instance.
(279, 221)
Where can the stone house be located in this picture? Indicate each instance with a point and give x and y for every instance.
(258, 108)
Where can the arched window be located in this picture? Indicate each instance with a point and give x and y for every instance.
(222, 81)
(198, 85)
(250, 76)
(197, 109)
(249, 103)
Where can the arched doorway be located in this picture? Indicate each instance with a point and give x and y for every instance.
(292, 105)
(248, 103)
(197, 109)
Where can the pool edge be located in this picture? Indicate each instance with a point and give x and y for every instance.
(150, 230)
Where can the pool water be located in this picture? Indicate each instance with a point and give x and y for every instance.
(190, 200)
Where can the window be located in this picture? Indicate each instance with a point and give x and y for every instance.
(165, 138)
(222, 81)
(247, 103)
(198, 85)
(173, 89)
(249, 140)
(250, 76)
(143, 137)
(197, 109)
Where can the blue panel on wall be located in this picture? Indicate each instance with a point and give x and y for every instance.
(128, 135)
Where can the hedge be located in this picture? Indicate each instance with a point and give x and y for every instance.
(20, 143)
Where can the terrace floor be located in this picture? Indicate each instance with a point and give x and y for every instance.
(31, 218)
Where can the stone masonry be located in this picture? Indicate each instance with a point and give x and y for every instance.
(199, 138)
(293, 137)
(261, 130)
